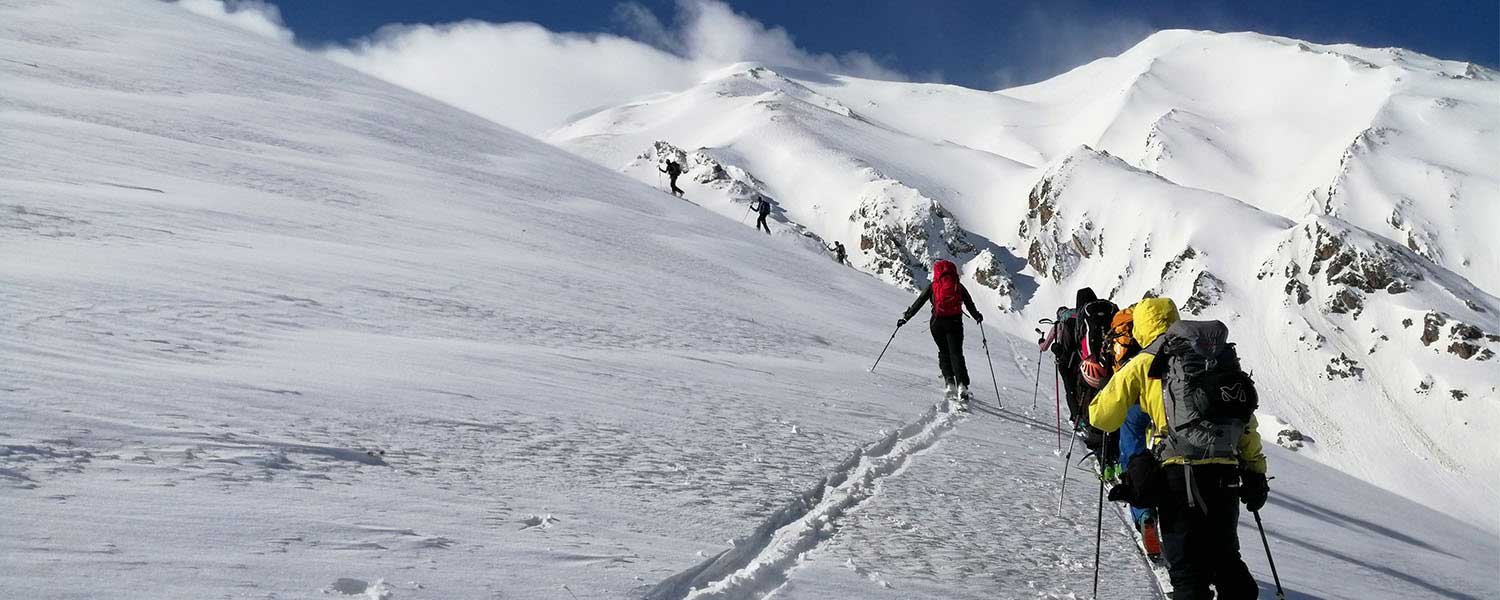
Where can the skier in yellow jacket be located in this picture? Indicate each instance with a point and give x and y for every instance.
(1200, 543)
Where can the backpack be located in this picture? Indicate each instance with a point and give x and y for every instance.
(1120, 344)
(1065, 342)
(1207, 397)
(947, 297)
(1093, 328)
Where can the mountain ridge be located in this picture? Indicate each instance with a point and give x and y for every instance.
(1287, 133)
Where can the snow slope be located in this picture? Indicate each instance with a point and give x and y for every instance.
(1324, 200)
(279, 330)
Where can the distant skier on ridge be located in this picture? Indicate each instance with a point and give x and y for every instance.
(949, 298)
(839, 254)
(673, 170)
(763, 208)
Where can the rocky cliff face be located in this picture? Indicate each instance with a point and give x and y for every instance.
(904, 232)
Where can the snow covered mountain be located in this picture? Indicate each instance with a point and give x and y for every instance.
(275, 329)
(1329, 202)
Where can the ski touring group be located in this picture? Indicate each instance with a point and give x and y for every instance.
(1165, 410)
(1161, 404)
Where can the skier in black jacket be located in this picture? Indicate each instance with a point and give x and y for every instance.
(673, 170)
(839, 254)
(764, 209)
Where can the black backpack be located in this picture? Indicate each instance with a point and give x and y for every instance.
(1208, 398)
(1093, 330)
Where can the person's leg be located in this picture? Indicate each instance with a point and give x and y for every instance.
(1139, 516)
(940, 337)
(1232, 579)
(1182, 540)
(956, 351)
(1070, 392)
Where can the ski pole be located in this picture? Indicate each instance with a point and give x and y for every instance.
(746, 215)
(1063, 486)
(882, 350)
(992, 365)
(1099, 530)
(1280, 595)
(1038, 383)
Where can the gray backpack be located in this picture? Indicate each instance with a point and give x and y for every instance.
(1208, 399)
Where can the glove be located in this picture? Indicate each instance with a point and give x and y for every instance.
(1253, 490)
(900, 322)
(1093, 439)
(978, 318)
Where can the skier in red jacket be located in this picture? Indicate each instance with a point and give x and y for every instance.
(949, 298)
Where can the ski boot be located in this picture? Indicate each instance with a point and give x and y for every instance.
(964, 395)
(950, 392)
(1151, 539)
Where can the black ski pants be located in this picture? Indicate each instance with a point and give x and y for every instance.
(760, 223)
(675, 190)
(1203, 548)
(1070, 382)
(948, 333)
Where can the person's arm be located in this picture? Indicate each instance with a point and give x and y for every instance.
(969, 303)
(916, 306)
(1107, 411)
(1051, 337)
(1252, 454)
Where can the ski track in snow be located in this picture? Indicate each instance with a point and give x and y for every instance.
(761, 562)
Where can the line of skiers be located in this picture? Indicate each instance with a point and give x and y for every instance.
(1161, 402)
(1164, 405)
(761, 205)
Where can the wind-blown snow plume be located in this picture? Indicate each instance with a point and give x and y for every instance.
(480, 66)
(255, 16)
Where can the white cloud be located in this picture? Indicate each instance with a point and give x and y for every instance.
(527, 77)
(517, 74)
(711, 33)
(1062, 40)
(255, 16)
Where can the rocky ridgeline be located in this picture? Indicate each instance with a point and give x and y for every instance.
(903, 231)
(1456, 337)
(1337, 269)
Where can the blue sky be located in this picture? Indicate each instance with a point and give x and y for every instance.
(982, 44)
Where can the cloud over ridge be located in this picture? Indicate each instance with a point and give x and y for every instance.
(528, 77)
